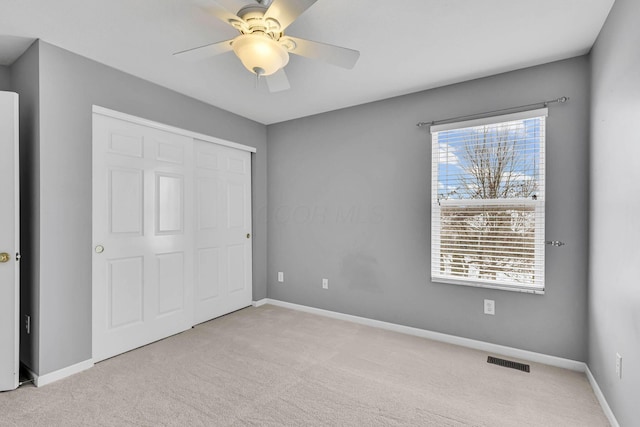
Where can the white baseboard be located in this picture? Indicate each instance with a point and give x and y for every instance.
(600, 396)
(437, 336)
(42, 380)
(260, 303)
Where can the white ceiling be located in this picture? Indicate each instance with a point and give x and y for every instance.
(405, 46)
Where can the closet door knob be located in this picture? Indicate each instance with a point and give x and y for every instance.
(4, 257)
(99, 249)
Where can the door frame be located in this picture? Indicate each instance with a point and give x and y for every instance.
(168, 128)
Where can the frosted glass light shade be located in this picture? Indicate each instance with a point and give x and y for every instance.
(260, 54)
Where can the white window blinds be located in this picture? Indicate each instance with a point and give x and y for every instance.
(488, 202)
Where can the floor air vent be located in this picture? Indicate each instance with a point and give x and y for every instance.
(508, 364)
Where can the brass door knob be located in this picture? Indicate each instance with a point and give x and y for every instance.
(248, 236)
(4, 257)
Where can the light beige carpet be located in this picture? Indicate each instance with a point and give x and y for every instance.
(273, 366)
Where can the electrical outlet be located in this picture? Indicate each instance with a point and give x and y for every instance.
(325, 283)
(489, 307)
(27, 323)
(619, 365)
(280, 277)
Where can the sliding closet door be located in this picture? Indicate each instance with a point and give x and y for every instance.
(171, 231)
(223, 230)
(142, 234)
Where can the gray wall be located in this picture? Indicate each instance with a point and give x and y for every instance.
(25, 80)
(5, 79)
(69, 85)
(349, 200)
(614, 300)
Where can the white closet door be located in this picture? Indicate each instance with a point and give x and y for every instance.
(223, 230)
(142, 234)
(9, 231)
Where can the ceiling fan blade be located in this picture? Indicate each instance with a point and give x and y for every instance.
(221, 13)
(335, 55)
(278, 81)
(206, 51)
(286, 11)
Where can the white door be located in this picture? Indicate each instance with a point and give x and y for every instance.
(9, 235)
(223, 230)
(142, 235)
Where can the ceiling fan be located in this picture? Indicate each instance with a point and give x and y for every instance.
(262, 46)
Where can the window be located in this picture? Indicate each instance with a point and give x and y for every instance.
(487, 213)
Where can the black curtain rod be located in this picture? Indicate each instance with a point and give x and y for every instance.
(560, 100)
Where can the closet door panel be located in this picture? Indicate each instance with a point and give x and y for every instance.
(223, 235)
(143, 235)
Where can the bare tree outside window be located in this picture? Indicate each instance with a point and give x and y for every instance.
(495, 163)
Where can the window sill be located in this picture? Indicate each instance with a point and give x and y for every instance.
(488, 286)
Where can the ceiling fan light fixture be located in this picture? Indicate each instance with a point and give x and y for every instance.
(259, 53)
